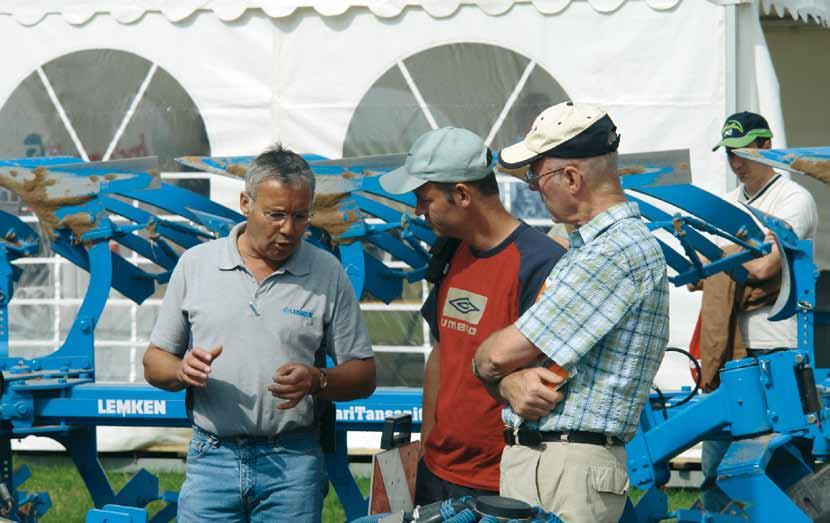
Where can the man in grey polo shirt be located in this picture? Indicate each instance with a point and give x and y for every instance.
(245, 326)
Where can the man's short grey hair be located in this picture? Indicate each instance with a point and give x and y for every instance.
(600, 170)
(280, 164)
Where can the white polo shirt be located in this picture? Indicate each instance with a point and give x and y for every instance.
(788, 201)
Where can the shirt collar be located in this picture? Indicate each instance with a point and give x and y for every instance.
(761, 191)
(229, 259)
(597, 225)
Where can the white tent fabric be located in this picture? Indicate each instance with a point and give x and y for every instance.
(256, 80)
(757, 84)
(818, 10)
(31, 12)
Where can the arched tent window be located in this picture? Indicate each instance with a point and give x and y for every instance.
(493, 91)
(101, 104)
(96, 104)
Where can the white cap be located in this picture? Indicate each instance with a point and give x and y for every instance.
(566, 130)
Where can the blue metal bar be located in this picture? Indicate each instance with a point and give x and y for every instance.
(337, 467)
(707, 207)
(178, 201)
(79, 342)
(803, 160)
(179, 233)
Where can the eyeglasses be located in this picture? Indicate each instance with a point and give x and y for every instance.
(533, 181)
(280, 217)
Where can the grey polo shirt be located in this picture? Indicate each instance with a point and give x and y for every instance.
(298, 313)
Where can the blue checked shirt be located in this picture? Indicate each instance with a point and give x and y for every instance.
(603, 317)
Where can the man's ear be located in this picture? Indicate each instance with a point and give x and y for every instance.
(462, 194)
(245, 203)
(766, 144)
(574, 178)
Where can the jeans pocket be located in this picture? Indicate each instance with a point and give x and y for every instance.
(197, 449)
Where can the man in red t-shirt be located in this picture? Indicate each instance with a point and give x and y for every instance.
(498, 269)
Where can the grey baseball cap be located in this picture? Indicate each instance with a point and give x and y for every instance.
(447, 155)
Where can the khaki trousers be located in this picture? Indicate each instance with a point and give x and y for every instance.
(576, 481)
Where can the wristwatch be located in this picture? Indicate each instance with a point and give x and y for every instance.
(324, 381)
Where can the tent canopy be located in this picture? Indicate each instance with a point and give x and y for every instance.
(31, 12)
(818, 10)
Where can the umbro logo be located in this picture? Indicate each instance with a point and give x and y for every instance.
(464, 305)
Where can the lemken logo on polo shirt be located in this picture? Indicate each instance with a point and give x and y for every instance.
(297, 312)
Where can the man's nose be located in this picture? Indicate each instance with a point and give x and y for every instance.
(288, 226)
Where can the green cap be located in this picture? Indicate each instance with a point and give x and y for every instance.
(741, 129)
(445, 155)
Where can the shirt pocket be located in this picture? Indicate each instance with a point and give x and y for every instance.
(298, 336)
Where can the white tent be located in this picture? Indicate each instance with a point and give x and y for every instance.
(105, 79)
(298, 71)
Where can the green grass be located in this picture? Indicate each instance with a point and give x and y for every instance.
(678, 498)
(70, 500)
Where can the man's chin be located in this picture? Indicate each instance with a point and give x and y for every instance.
(280, 254)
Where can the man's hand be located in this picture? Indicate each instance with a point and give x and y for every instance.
(765, 267)
(195, 367)
(531, 392)
(292, 382)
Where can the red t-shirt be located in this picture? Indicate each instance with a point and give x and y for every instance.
(481, 293)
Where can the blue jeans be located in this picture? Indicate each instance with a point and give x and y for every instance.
(242, 480)
(714, 499)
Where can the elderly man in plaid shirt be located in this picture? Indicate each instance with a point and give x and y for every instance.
(576, 367)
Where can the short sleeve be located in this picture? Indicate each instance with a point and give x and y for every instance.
(346, 335)
(429, 311)
(799, 211)
(172, 329)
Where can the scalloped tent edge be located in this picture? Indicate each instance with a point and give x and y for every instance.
(807, 11)
(32, 12)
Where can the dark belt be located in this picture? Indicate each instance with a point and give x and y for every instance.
(247, 439)
(534, 438)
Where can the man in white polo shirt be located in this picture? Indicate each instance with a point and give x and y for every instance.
(766, 190)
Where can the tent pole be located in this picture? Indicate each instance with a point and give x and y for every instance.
(731, 97)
